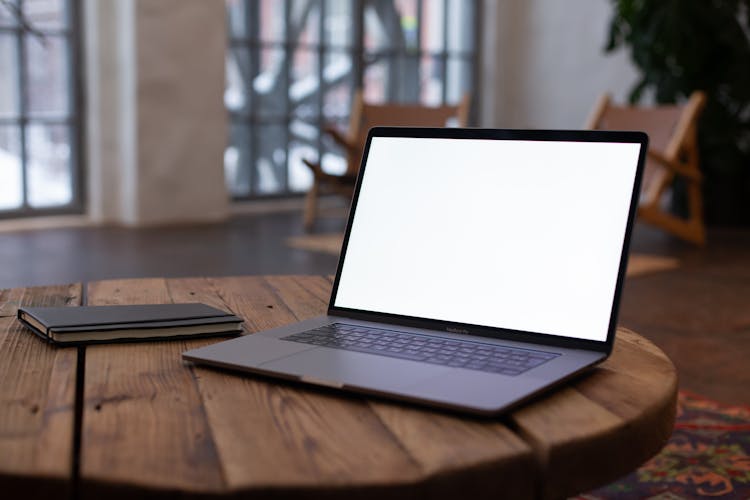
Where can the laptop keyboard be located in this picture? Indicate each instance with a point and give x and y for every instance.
(393, 344)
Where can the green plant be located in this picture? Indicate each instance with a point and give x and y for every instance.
(685, 45)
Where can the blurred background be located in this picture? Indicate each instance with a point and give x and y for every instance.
(147, 138)
(99, 99)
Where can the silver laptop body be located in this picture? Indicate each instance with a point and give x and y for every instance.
(479, 267)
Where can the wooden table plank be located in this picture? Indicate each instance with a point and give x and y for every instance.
(462, 457)
(144, 427)
(278, 438)
(37, 399)
(154, 425)
(619, 414)
(435, 443)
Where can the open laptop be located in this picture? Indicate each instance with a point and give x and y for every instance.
(479, 268)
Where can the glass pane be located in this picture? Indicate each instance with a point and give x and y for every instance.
(339, 23)
(431, 91)
(270, 85)
(407, 11)
(46, 14)
(405, 79)
(458, 79)
(267, 76)
(391, 25)
(237, 79)
(339, 79)
(461, 24)
(375, 81)
(8, 75)
(376, 36)
(7, 18)
(11, 187)
(48, 169)
(304, 91)
(338, 101)
(300, 176)
(48, 77)
(304, 132)
(270, 165)
(237, 160)
(236, 16)
(305, 23)
(271, 21)
(433, 22)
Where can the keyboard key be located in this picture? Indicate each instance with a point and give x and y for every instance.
(457, 354)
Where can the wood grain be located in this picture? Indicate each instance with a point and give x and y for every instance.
(37, 397)
(284, 439)
(461, 457)
(156, 426)
(144, 427)
(605, 423)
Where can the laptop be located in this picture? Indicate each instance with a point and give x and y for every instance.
(479, 268)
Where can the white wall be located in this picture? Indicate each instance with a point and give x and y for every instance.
(544, 64)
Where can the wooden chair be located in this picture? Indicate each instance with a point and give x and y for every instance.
(363, 117)
(672, 154)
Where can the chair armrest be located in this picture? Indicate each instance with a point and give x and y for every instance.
(344, 181)
(673, 165)
(317, 170)
(340, 139)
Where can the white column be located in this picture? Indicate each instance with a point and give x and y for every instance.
(157, 127)
(110, 87)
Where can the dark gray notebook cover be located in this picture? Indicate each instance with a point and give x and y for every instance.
(96, 319)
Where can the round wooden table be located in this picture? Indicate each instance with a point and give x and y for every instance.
(126, 420)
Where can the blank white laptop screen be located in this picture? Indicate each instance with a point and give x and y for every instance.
(523, 235)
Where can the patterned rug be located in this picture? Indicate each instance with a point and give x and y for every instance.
(708, 456)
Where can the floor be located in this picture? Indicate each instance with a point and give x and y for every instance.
(698, 314)
(249, 244)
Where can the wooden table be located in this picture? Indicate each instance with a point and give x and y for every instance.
(132, 419)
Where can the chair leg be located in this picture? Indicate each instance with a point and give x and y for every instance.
(695, 205)
(686, 229)
(311, 206)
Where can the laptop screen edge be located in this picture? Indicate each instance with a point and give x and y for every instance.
(605, 346)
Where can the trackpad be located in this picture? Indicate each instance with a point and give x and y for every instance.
(354, 368)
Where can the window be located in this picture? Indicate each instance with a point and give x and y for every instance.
(39, 108)
(293, 66)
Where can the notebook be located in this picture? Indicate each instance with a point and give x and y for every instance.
(479, 268)
(98, 324)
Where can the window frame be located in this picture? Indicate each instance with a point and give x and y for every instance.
(73, 34)
(251, 42)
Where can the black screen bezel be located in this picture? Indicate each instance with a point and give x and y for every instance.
(630, 137)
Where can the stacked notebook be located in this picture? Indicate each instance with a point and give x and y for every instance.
(99, 324)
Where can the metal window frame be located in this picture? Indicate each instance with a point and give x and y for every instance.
(74, 120)
(251, 43)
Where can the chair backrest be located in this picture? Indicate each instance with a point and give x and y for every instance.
(365, 116)
(672, 131)
(672, 152)
(669, 127)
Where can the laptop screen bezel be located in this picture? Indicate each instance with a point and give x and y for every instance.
(512, 135)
